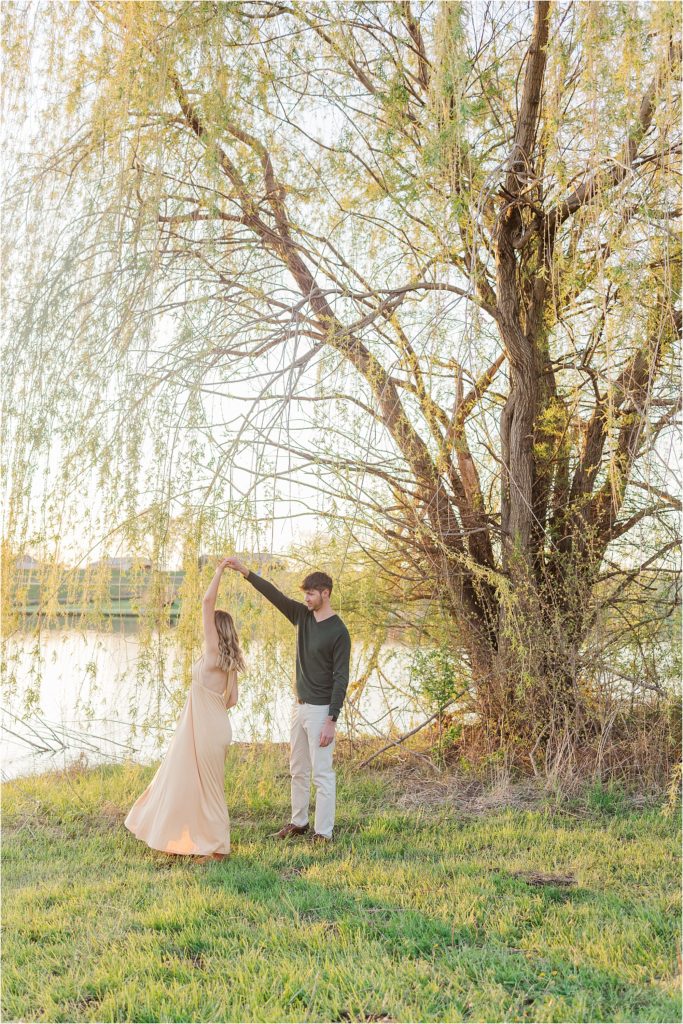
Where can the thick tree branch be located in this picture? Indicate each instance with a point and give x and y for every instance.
(599, 182)
(520, 160)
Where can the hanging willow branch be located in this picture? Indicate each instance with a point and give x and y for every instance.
(410, 270)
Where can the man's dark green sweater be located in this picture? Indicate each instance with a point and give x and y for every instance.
(323, 649)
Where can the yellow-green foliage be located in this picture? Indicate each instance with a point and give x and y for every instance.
(254, 270)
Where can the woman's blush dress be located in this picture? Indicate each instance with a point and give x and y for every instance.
(183, 809)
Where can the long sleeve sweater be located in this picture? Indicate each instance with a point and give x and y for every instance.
(323, 649)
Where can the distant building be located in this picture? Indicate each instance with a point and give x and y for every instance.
(28, 562)
(258, 561)
(122, 564)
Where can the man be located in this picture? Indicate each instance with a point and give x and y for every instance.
(323, 649)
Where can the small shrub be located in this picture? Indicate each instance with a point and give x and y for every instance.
(606, 799)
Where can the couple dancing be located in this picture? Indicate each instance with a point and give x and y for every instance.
(183, 809)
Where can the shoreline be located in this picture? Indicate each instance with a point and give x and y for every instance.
(412, 781)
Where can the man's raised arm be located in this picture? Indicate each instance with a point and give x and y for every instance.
(292, 609)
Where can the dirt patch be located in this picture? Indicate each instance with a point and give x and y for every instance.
(192, 958)
(84, 1002)
(538, 878)
(289, 873)
(346, 1015)
(418, 787)
(518, 795)
(112, 812)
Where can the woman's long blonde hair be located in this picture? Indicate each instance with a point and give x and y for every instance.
(230, 654)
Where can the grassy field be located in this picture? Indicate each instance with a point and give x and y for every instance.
(414, 914)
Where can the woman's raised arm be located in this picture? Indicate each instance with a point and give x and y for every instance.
(208, 609)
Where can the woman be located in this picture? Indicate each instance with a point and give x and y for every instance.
(183, 809)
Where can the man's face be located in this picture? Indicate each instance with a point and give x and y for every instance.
(314, 599)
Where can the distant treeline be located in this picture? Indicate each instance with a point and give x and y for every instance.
(126, 596)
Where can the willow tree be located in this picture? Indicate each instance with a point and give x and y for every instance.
(430, 249)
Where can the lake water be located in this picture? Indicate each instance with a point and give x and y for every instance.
(101, 696)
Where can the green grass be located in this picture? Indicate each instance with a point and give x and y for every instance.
(412, 915)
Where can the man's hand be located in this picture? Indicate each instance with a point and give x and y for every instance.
(234, 563)
(328, 731)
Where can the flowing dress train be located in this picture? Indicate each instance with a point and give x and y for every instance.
(183, 809)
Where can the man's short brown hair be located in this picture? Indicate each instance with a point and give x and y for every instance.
(317, 581)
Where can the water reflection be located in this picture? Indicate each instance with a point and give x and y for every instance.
(104, 696)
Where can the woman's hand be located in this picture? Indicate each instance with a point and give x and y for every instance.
(212, 589)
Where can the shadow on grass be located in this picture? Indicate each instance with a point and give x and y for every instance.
(316, 933)
(284, 895)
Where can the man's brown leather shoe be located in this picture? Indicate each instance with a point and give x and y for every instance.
(317, 838)
(291, 830)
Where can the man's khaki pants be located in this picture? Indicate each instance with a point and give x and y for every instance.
(306, 756)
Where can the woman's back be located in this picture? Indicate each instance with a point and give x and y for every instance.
(216, 679)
